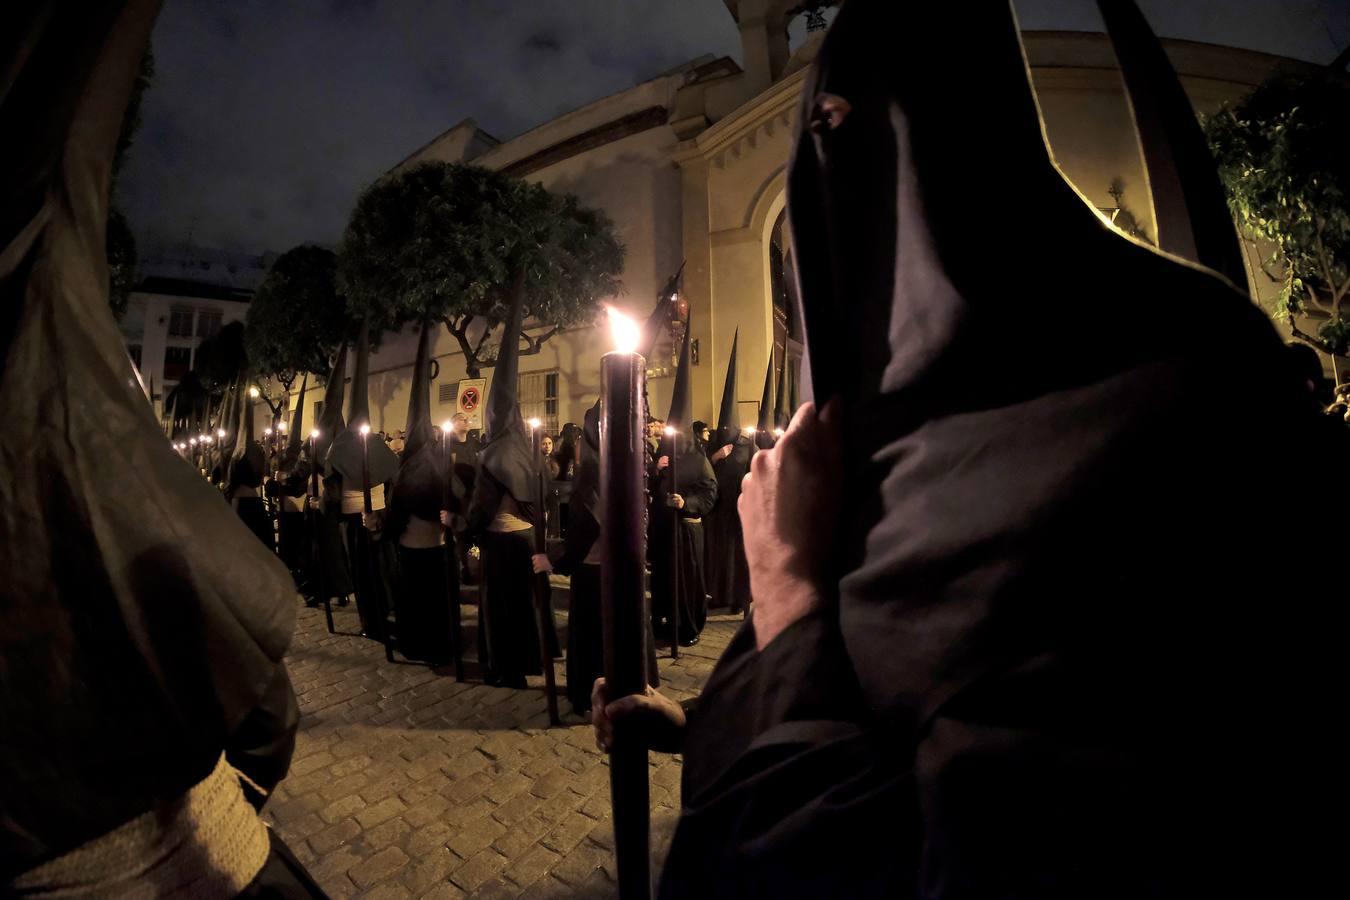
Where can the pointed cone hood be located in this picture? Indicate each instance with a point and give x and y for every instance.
(729, 417)
(586, 481)
(420, 430)
(419, 487)
(781, 414)
(1189, 204)
(345, 456)
(190, 628)
(681, 414)
(297, 434)
(907, 311)
(764, 427)
(651, 329)
(508, 455)
(248, 464)
(331, 423)
(295, 438)
(358, 400)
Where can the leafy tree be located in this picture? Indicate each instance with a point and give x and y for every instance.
(1282, 155)
(453, 243)
(296, 319)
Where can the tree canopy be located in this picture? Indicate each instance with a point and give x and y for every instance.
(296, 319)
(452, 242)
(1282, 156)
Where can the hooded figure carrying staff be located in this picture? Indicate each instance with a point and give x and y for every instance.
(500, 521)
(1044, 651)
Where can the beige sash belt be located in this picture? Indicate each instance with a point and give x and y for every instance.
(208, 844)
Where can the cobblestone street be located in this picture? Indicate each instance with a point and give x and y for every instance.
(406, 783)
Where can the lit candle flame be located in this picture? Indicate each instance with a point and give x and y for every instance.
(447, 425)
(314, 434)
(627, 334)
(534, 424)
(282, 426)
(778, 432)
(267, 432)
(253, 392)
(365, 430)
(192, 441)
(749, 429)
(670, 431)
(220, 433)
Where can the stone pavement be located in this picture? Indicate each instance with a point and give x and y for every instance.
(406, 783)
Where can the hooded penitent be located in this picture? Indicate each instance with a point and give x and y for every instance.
(508, 456)
(331, 423)
(419, 487)
(248, 465)
(140, 621)
(1051, 613)
(345, 454)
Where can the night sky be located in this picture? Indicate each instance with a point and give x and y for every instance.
(267, 117)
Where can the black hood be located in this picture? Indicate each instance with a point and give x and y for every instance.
(419, 487)
(908, 309)
(142, 620)
(296, 439)
(248, 463)
(729, 416)
(508, 456)
(331, 423)
(586, 481)
(764, 427)
(345, 455)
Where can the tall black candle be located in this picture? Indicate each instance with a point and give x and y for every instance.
(623, 537)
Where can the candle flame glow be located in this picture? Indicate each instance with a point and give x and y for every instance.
(778, 432)
(534, 424)
(282, 426)
(267, 431)
(220, 432)
(365, 430)
(253, 392)
(314, 434)
(192, 440)
(447, 426)
(749, 429)
(670, 431)
(627, 334)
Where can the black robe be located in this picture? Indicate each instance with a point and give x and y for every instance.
(728, 573)
(585, 622)
(1067, 661)
(428, 582)
(331, 568)
(508, 639)
(697, 485)
(253, 512)
(374, 565)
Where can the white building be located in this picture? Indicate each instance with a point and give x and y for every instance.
(182, 296)
(690, 166)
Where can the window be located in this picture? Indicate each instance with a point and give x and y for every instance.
(134, 351)
(208, 323)
(539, 399)
(180, 322)
(177, 362)
(449, 392)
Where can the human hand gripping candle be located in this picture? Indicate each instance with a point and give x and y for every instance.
(623, 537)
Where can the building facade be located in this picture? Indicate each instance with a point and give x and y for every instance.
(690, 165)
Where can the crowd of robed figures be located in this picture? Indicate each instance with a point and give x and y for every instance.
(401, 522)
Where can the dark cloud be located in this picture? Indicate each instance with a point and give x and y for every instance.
(266, 119)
